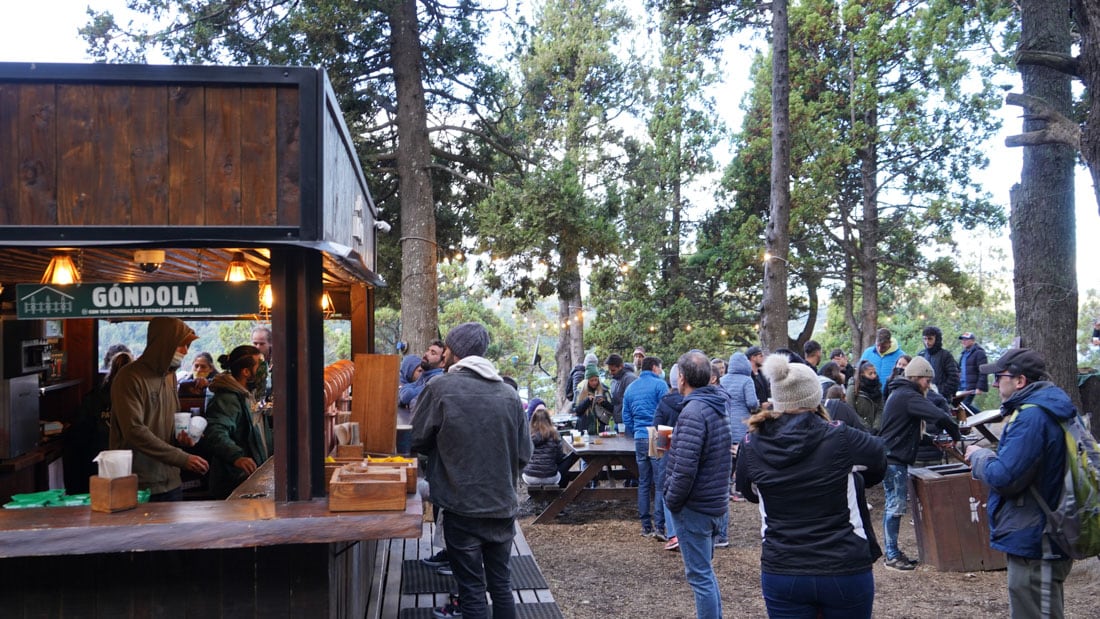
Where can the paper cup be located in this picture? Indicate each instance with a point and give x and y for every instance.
(196, 427)
(183, 423)
(114, 463)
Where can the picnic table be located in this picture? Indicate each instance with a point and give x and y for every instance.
(598, 454)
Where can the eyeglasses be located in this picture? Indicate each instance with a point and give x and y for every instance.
(997, 377)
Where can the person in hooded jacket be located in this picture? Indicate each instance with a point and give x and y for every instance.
(697, 473)
(883, 354)
(865, 395)
(942, 362)
(236, 437)
(809, 475)
(143, 406)
(742, 394)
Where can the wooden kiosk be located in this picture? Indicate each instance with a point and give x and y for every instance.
(208, 164)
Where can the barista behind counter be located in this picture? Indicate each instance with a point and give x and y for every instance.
(236, 437)
(143, 405)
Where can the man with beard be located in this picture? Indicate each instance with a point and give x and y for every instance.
(473, 430)
(431, 364)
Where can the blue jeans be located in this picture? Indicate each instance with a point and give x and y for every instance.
(895, 487)
(645, 481)
(478, 549)
(695, 532)
(809, 597)
(659, 510)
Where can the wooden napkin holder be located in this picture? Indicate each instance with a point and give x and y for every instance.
(114, 494)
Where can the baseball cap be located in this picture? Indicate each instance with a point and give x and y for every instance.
(752, 351)
(1017, 361)
(966, 336)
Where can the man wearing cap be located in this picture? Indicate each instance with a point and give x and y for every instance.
(143, 408)
(971, 380)
(1031, 454)
(473, 430)
(759, 382)
(905, 409)
(884, 354)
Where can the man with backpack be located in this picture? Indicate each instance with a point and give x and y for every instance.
(1031, 454)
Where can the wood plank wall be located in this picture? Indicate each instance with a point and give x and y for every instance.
(93, 154)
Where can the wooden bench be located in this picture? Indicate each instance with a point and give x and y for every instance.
(386, 600)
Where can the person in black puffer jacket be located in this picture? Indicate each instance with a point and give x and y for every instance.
(809, 474)
(543, 468)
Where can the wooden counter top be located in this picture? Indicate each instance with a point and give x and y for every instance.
(196, 525)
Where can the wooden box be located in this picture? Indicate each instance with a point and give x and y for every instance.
(356, 487)
(409, 464)
(949, 513)
(347, 452)
(113, 495)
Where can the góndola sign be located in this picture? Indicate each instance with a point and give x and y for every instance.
(115, 300)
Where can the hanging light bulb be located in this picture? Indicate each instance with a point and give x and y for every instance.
(327, 308)
(238, 270)
(61, 271)
(267, 297)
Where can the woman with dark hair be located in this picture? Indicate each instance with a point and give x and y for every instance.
(195, 383)
(809, 474)
(865, 395)
(236, 437)
(899, 372)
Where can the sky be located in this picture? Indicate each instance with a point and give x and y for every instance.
(46, 31)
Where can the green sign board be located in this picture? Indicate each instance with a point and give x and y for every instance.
(108, 300)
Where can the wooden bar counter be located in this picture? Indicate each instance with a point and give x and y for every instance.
(238, 557)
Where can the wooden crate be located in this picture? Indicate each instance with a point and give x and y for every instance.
(949, 514)
(363, 488)
(410, 466)
(113, 495)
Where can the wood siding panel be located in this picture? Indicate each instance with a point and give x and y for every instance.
(374, 406)
(289, 164)
(37, 126)
(258, 157)
(111, 203)
(186, 156)
(78, 173)
(9, 152)
(223, 157)
(148, 137)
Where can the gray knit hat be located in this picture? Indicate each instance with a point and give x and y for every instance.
(469, 339)
(919, 367)
(794, 385)
(591, 359)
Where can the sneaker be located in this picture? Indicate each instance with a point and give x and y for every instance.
(660, 535)
(673, 544)
(721, 542)
(902, 556)
(647, 532)
(452, 609)
(900, 563)
(736, 497)
(445, 570)
(439, 559)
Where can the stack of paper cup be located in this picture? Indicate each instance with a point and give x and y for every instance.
(183, 423)
(195, 429)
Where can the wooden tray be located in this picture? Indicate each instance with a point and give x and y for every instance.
(356, 487)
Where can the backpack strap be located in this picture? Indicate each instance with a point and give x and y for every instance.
(1048, 551)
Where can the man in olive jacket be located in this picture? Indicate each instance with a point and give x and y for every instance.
(472, 427)
(143, 405)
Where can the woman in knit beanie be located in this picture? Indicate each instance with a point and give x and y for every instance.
(819, 546)
(592, 403)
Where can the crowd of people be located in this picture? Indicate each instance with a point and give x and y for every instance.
(135, 407)
(801, 435)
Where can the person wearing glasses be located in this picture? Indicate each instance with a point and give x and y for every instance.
(1031, 452)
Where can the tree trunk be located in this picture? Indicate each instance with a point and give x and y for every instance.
(1042, 219)
(419, 295)
(570, 350)
(775, 312)
(1087, 15)
(868, 237)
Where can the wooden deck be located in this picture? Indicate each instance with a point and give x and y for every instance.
(386, 600)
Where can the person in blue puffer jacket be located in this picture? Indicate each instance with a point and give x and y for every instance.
(639, 406)
(697, 474)
(742, 401)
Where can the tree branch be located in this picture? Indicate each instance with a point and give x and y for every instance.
(1063, 63)
(457, 174)
(1059, 129)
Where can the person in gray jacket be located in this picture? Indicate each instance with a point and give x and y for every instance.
(472, 427)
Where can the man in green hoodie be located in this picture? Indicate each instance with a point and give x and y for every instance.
(143, 405)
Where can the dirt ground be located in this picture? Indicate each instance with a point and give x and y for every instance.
(599, 566)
